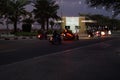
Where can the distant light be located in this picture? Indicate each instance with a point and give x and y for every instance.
(102, 33)
(105, 26)
(109, 32)
(58, 21)
(95, 8)
(32, 25)
(103, 7)
(113, 11)
(89, 21)
(79, 2)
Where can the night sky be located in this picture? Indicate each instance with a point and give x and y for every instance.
(74, 7)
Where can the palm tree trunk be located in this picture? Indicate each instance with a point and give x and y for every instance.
(7, 26)
(15, 26)
(47, 23)
(43, 24)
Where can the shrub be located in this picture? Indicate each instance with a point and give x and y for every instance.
(26, 33)
(26, 27)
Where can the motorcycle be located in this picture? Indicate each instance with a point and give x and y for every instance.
(68, 36)
(55, 40)
(40, 36)
(90, 35)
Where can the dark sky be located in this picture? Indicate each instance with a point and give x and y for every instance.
(74, 7)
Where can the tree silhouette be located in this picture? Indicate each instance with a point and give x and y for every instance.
(108, 4)
(13, 9)
(44, 10)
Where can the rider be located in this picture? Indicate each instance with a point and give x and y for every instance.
(56, 35)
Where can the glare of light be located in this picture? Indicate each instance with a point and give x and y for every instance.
(79, 2)
(109, 32)
(39, 36)
(113, 11)
(89, 36)
(94, 7)
(102, 33)
(105, 26)
(89, 21)
(32, 25)
(103, 7)
(59, 21)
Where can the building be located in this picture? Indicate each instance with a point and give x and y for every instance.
(76, 24)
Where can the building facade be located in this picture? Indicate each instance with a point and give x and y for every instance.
(75, 24)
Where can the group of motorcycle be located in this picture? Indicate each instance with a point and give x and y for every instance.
(56, 38)
(99, 33)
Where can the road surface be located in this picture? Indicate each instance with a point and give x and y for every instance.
(98, 61)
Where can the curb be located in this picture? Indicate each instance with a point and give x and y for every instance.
(18, 38)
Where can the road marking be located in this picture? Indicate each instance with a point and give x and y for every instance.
(9, 50)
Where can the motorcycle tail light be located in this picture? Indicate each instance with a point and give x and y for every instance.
(39, 36)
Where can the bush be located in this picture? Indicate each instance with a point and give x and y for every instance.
(26, 33)
(26, 27)
(50, 31)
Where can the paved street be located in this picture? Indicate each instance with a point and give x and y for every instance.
(18, 50)
(98, 61)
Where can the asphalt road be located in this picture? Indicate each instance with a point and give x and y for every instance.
(18, 50)
(80, 60)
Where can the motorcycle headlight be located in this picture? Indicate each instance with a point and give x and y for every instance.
(39, 36)
(51, 38)
(102, 33)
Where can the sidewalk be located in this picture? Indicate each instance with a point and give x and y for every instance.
(13, 37)
(94, 62)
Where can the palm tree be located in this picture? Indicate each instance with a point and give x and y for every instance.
(52, 24)
(17, 8)
(44, 10)
(13, 9)
(52, 12)
(27, 24)
(3, 7)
